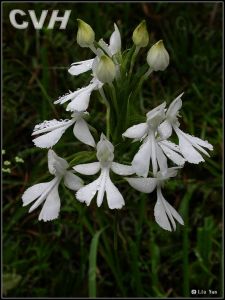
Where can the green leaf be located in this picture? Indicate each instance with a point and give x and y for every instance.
(93, 264)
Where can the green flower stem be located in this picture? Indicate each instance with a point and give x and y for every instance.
(93, 49)
(107, 112)
(114, 98)
(145, 76)
(141, 81)
(133, 60)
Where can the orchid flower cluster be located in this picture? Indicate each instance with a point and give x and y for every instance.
(158, 158)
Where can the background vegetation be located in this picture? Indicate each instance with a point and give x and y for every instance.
(70, 257)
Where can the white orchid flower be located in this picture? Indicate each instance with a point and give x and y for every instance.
(48, 191)
(114, 47)
(152, 150)
(53, 130)
(163, 211)
(80, 98)
(105, 155)
(187, 143)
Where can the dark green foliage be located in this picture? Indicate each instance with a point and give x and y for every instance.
(54, 259)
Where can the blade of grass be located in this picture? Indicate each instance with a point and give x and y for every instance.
(93, 264)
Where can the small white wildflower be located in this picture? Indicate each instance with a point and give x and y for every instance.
(81, 97)
(163, 211)
(188, 144)
(48, 191)
(53, 130)
(105, 155)
(152, 150)
(113, 48)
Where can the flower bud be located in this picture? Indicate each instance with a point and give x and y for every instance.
(140, 35)
(106, 69)
(158, 57)
(85, 34)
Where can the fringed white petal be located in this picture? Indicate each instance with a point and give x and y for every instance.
(144, 185)
(114, 198)
(51, 125)
(141, 160)
(45, 193)
(69, 96)
(72, 181)
(72, 95)
(121, 169)
(136, 131)
(173, 214)
(34, 192)
(88, 169)
(49, 139)
(161, 216)
(115, 41)
(172, 152)
(82, 133)
(187, 149)
(165, 213)
(87, 193)
(81, 102)
(51, 207)
(80, 67)
(199, 142)
(53, 131)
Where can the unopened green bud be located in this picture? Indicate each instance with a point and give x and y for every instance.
(85, 34)
(158, 57)
(106, 69)
(140, 35)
